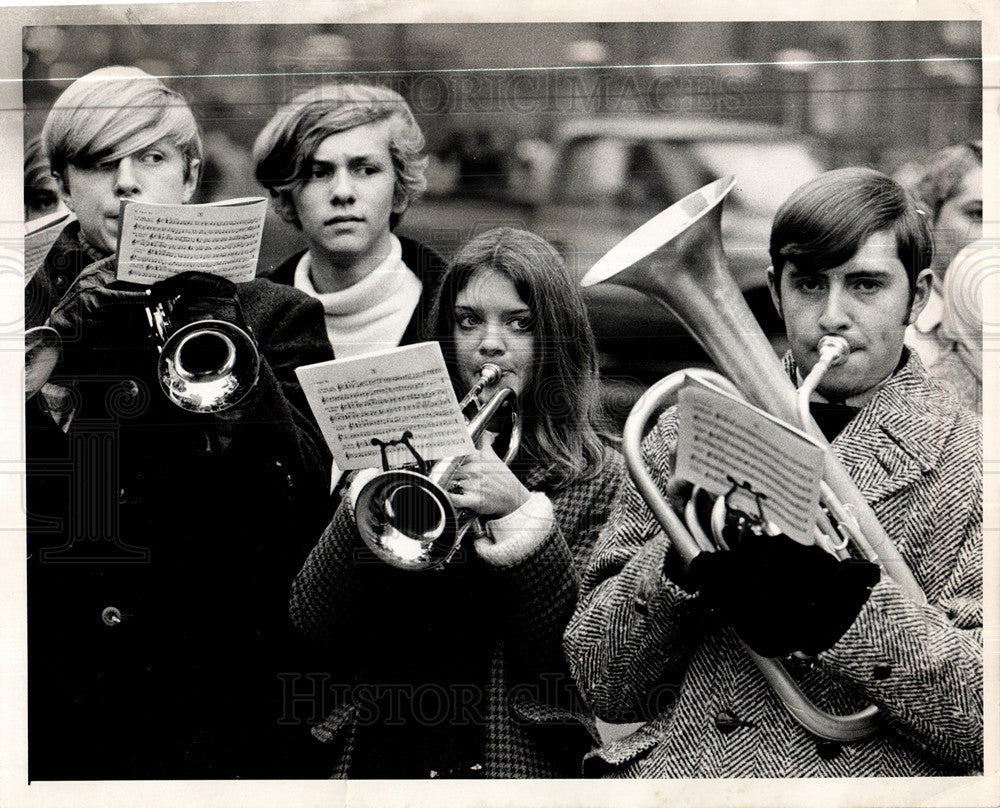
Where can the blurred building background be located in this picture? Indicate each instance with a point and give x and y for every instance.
(465, 79)
(883, 94)
(492, 96)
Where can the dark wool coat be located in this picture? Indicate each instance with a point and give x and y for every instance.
(457, 672)
(426, 264)
(640, 650)
(161, 546)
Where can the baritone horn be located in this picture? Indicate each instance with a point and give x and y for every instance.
(677, 259)
(205, 365)
(406, 518)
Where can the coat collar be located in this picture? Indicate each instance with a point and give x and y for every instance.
(898, 435)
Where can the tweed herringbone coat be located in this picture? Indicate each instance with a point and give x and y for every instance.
(641, 650)
(467, 660)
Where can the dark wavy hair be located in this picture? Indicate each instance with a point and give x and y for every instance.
(564, 423)
(822, 224)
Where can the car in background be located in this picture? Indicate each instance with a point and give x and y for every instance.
(600, 177)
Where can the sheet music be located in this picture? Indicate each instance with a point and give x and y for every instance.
(160, 241)
(39, 236)
(379, 397)
(727, 445)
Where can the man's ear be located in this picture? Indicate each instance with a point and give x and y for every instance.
(772, 285)
(400, 202)
(191, 180)
(921, 294)
(64, 193)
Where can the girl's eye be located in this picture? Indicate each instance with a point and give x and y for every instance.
(467, 320)
(975, 214)
(523, 323)
(151, 158)
(318, 172)
(368, 170)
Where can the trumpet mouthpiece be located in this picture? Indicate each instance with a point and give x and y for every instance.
(833, 350)
(490, 374)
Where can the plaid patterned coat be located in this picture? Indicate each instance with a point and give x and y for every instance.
(640, 651)
(380, 625)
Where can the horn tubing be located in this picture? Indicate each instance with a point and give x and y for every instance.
(842, 728)
(702, 294)
(685, 271)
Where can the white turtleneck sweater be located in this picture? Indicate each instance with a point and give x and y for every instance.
(372, 314)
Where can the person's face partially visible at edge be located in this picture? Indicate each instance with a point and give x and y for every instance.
(157, 173)
(344, 205)
(865, 300)
(42, 200)
(960, 220)
(493, 324)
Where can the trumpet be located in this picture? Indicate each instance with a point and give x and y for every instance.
(205, 365)
(42, 347)
(406, 518)
(677, 259)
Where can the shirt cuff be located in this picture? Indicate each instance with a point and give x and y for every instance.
(518, 534)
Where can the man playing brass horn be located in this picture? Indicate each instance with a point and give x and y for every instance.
(667, 646)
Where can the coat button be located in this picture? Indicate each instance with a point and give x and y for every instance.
(726, 721)
(881, 671)
(828, 750)
(111, 616)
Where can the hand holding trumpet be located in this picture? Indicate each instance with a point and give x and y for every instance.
(487, 486)
(208, 359)
(95, 306)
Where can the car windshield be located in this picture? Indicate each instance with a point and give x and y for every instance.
(659, 172)
(766, 173)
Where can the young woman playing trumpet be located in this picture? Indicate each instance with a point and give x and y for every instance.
(459, 672)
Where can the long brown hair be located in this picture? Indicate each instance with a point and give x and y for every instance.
(564, 423)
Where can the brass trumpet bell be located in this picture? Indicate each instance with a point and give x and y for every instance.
(42, 346)
(208, 366)
(406, 518)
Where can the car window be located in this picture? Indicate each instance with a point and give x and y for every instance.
(631, 173)
(592, 171)
(766, 172)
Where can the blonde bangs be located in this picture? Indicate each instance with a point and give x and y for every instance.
(113, 112)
